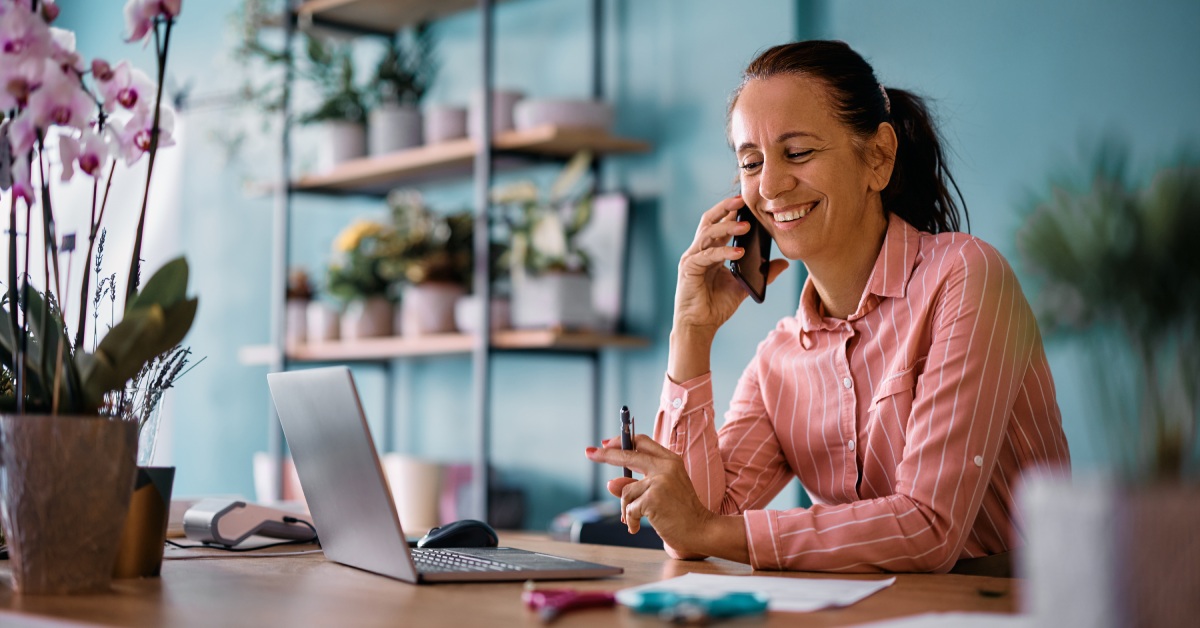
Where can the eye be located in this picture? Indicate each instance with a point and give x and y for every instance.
(800, 154)
(750, 165)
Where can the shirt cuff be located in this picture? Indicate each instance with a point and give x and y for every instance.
(680, 399)
(762, 542)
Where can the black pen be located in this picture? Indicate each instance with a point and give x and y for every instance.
(627, 434)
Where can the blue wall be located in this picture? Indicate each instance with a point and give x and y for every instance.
(1018, 85)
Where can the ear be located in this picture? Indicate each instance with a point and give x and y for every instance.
(881, 155)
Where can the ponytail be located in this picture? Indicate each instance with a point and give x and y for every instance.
(919, 190)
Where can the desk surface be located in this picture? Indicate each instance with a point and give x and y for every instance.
(233, 590)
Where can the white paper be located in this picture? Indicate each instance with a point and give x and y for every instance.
(786, 594)
(955, 620)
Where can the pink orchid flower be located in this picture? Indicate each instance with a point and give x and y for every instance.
(22, 134)
(140, 15)
(22, 32)
(19, 77)
(61, 100)
(62, 43)
(133, 135)
(123, 85)
(90, 151)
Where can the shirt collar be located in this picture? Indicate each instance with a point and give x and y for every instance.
(889, 277)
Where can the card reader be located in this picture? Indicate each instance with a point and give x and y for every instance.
(228, 522)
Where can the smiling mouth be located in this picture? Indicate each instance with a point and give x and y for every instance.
(793, 215)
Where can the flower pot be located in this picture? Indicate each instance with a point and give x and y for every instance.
(552, 300)
(392, 127)
(367, 318)
(67, 483)
(296, 329)
(577, 114)
(428, 308)
(466, 314)
(1101, 554)
(445, 123)
(503, 102)
(343, 141)
(140, 551)
(322, 321)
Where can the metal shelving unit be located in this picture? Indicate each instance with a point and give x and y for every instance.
(376, 175)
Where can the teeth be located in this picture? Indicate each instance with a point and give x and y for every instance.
(790, 216)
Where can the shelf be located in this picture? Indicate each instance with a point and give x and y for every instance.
(372, 15)
(369, 349)
(378, 175)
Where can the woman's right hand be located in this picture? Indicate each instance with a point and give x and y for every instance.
(707, 294)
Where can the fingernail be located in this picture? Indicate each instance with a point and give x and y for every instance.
(605, 441)
(590, 450)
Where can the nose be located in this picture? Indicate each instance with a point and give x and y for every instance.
(775, 180)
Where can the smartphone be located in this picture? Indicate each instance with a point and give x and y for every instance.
(751, 269)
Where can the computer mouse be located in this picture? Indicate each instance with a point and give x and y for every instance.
(461, 533)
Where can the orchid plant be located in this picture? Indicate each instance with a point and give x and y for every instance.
(85, 117)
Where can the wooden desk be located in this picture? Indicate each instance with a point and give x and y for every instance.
(231, 590)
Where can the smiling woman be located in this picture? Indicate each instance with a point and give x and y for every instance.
(909, 391)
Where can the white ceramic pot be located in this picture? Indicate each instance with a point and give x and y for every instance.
(367, 318)
(503, 102)
(443, 123)
(392, 127)
(552, 300)
(343, 141)
(467, 311)
(590, 114)
(1100, 554)
(322, 320)
(428, 308)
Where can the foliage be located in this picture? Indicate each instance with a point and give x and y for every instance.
(359, 252)
(1119, 271)
(406, 69)
(331, 69)
(543, 228)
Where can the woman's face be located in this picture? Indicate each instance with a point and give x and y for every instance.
(799, 170)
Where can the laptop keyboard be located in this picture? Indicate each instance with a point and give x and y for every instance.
(430, 560)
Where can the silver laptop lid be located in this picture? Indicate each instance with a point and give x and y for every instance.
(339, 469)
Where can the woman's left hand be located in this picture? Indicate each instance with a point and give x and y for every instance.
(665, 495)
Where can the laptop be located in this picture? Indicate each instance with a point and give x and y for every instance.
(352, 507)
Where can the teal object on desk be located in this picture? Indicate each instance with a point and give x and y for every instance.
(679, 607)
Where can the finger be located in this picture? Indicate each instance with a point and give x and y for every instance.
(724, 210)
(617, 485)
(631, 515)
(777, 267)
(716, 234)
(618, 458)
(700, 261)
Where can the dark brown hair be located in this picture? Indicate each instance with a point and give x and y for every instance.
(919, 190)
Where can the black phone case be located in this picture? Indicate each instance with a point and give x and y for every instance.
(757, 231)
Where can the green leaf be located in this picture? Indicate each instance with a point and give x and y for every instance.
(166, 287)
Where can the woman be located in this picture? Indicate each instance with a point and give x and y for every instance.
(909, 391)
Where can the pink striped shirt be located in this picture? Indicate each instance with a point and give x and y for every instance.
(909, 423)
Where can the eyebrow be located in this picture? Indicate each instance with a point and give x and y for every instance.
(779, 140)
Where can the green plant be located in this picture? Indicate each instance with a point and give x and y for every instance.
(359, 253)
(1118, 269)
(406, 69)
(427, 246)
(330, 68)
(542, 228)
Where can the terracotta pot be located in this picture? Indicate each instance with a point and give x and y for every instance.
(68, 482)
(428, 308)
(367, 318)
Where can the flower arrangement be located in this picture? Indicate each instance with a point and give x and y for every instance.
(543, 228)
(57, 109)
(1119, 270)
(416, 245)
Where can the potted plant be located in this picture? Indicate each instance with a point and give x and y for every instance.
(550, 282)
(68, 426)
(402, 76)
(341, 111)
(431, 261)
(356, 278)
(1119, 274)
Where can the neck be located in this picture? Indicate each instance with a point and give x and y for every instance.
(840, 282)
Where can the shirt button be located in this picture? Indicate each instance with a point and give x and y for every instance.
(677, 403)
(850, 445)
(847, 383)
(979, 461)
